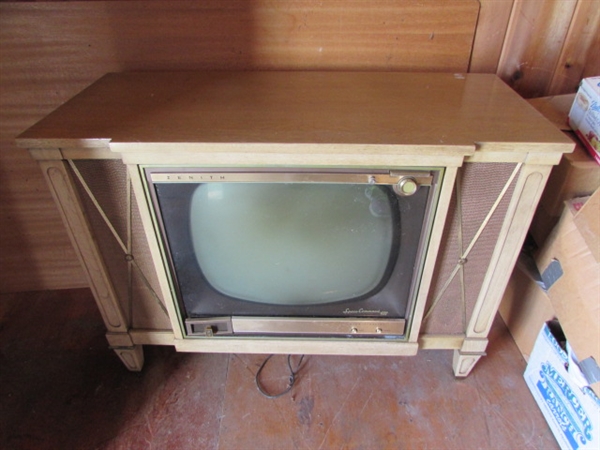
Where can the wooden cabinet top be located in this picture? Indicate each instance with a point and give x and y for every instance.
(372, 108)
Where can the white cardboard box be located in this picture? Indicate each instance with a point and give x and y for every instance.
(584, 117)
(571, 256)
(572, 412)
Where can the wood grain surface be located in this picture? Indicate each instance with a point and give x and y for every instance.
(279, 107)
(550, 45)
(52, 50)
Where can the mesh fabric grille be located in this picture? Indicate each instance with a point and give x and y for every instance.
(481, 184)
(107, 180)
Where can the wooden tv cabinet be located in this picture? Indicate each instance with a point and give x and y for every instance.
(497, 152)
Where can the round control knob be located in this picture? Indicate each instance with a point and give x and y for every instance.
(406, 186)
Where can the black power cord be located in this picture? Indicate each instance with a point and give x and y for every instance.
(291, 380)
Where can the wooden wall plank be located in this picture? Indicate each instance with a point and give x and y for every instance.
(533, 44)
(491, 30)
(581, 45)
(49, 51)
(592, 63)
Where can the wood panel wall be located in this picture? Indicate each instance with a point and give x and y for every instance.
(550, 45)
(49, 51)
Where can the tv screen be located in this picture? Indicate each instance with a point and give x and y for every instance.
(294, 244)
(279, 243)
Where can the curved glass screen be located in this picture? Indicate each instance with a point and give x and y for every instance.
(293, 244)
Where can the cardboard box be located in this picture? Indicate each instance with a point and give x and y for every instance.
(525, 308)
(570, 266)
(576, 175)
(555, 108)
(572, 411)
(587, 220)
(584, 117)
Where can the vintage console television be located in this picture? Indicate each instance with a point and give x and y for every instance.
(297, 212)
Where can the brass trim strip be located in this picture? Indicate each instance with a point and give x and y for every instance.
(423, 178)
(320, 326)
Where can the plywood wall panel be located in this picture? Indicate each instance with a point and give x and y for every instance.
(491, 29)
(385, 35)
(49, 51)
(35, 253)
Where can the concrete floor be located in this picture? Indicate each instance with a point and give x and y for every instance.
(62, 388)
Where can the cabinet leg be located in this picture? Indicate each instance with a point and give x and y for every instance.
(132, 357)
(463, 362)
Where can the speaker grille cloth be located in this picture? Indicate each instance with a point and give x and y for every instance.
(107, 180)
(481, 184)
